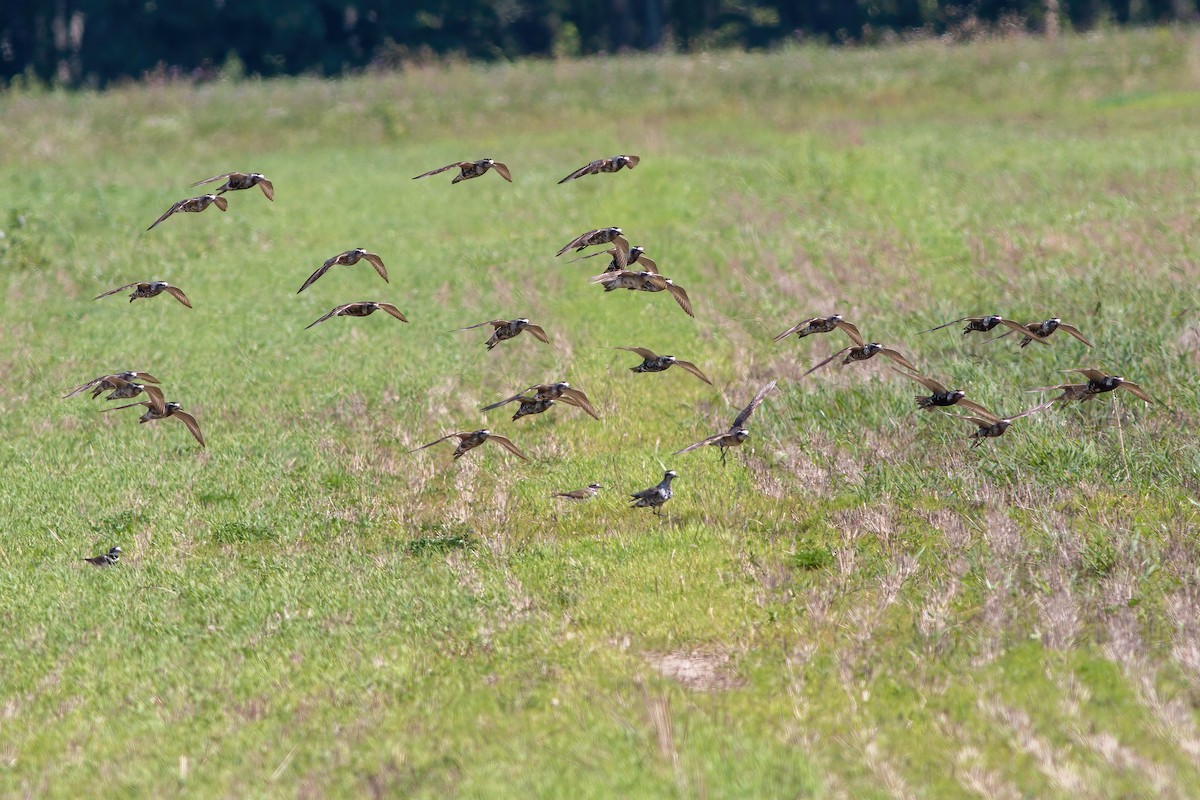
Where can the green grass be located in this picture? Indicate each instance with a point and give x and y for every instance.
(857, 605)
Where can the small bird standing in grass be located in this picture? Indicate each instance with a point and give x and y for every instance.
(585, 493)
(241, 180)
(612, 164)
(507, 329)
(147, 289)
(347, 259)
(105, 559)
(471, 169)
(655, 496)
(737, 432)
(652, 362)
(193, 205)
(469, 440)
(363, 308)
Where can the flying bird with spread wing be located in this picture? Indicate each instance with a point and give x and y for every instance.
(652, 362)
(737, 432)
(1040, 331)
(348, 259)
(469, 440)
(612, 164)
(989, 426)
(471, 169)
(644, 282)
(241, 180)
(146, 289)
(539, 397)
(507, 329)
(862, 352)
(1099, 382)
(813, 325)
(940, 396)
(193, 205)
(363, 308)
(622, 258)
(612, 236)
(106, 383)
(170, 410)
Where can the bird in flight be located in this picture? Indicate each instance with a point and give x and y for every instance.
(941, 397)
(471, 169)
(622, 258)
(982, 324)
(469, 440)
(508, 328)
(652, 362)
(147, 289)
(863, 352)
(193, 205)
(363, 308)
(644, 282)
(613, 164)
(737, 432)
(106, 383)
(1099, 382)
(1040, 331)
(821, 325)
(543, 392)
(612, 236)
(989, 426)
(347, 259)
(170, 410)
(241, 180)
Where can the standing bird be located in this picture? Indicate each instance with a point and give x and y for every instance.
(862, 352)
(1099, 382)
(737, 433)
(170, 410)
(821, 325)
(989, 426)
(1040, 331)
(106, 559)
(612, 164)
(148, 289)
(982, 324)
(622, 258)
(652, 362)
(644, 282)
(599, 236)
(468, 440)
(194, 205)
(655, 496)
(941, 397)
(585, 493)
(347, 259)
(549, 391)
(507, 329)
(242, 180)
(106, 383)
(363, 308)
(471, 169)
(127, 390)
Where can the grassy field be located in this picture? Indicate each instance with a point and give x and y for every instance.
(857, 605)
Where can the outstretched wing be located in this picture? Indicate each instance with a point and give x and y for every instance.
(157, 402)
(268, 188)
(321, 270)
(748, 410)
(375, 261)
(221, 177)
(701, 443)
(455, 165)
(444, 438)
(503, 170)
(221, 203)
(178, 294)
(167, 213)
(692, 368)
(972, 405)
(895, 355)
(851, 331)
(822, 363)
(505, 401)
(1137, 391)
(193, 426)
(574, 397)
(641, 351)
(337, 310)
(538, 333)
(507, 445)
(576, 242)
(395, 312)
(118, 289)
(495, 323)
(1071, 329)
(797, 327)
(584, 170)
(1024, 330)
(928, 383)
(947, 324)
(127, 405)
(647, 264)
(682, 298)
(1090, 373)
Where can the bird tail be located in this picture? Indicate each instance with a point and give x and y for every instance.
(924, 402)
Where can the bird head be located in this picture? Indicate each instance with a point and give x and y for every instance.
(871, 348)
(595, 486)
(741, 435)
(957, 395)
(115, 551)
(172, 407)
(992, 319)
(837, 318)
(636, 251)
(668, 475)
(360, 251)
(522, 321)
(670, 359)
(484, 432)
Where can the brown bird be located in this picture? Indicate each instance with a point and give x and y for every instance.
(127, 390)
(507, 329)
(863, 352)
(644, 282)
(622, 258)
(941, 397)
(599, 236)
(195, 205)
(363, 308)
(106, 559)
(106, 383)
(1099, 382)
(542, 392)
(585, 493)
(171, 410)
(348, 258)
(737, 432)
(241, 180)
(989, 426)
(821, 325)
(468, 440)
(982, 324)
(149, 289)
(471, 169)
(612, 164)
(652, 362)
(1040, 331)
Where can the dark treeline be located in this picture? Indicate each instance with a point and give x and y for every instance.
(93, 42)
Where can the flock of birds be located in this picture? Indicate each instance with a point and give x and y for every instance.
(628, 268)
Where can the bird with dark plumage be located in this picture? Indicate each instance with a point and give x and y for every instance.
(813, 325)
(941, 397)
(127, 390)
(507, 329)
(193, 205)
(147, 289)
(1099, 382)
(169, 410)
(471, 169)
(1040, 331)
(612, 164)
(105, 559)
(363, 308)
(655, 496)
(737, 432)
(348, 259)
(622, 258)
(106, 383)
(241, 180)
(863, 352)
(644, 282)
(611, 236)
(652, 362)
(541, 392)
(982, 324)
(469, 440)
(989, 426)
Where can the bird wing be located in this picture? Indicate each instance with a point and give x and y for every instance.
(681, 297)
(178, 294)
(574, 397)
(167, 213)
(641, 351)
(633, 161)
(691, 447)
(851, 331)
(221, 203)
(798, 326)
(146, 377)
(610, 253)
(692, 368)
(268, 188)
(495, 323)
(647, 264)
(321, 270)
(748, 410)
(573, 243)
(620, 252)
(928, 383)
(947, 324)
(193, 426)
(981, 422)
(118, 289)
(820, 364)
(448, 435)
(538, 333)
(455, 165)
(507, 445)
(127, 405)
(971, 404)
(584, 170)
(213, 178)
(1071, 329)
(85, 386)
(332, 313)
(503, 170)
(375, 261)
(895, 355)
(157, 402)
(505, 401)
(1021, 329)
(1090, 373)
(1138, 391)
(1029, 411)
(395, 312)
